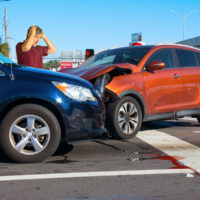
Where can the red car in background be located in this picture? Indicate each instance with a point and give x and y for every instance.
(144, 83)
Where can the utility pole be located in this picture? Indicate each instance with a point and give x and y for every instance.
(6, 27)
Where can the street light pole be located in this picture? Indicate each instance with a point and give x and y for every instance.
(11, 56)
(183, 17)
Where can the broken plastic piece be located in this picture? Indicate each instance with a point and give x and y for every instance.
(189, 175)
(136, 159)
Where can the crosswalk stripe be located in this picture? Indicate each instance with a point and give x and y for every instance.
(174, 147)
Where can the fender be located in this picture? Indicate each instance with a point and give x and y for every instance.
(138, 97)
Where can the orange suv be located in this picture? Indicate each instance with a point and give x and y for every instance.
(144, 83)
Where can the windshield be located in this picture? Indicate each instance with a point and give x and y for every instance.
(5, 61)
(130, 55)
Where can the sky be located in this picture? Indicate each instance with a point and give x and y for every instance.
(100, 24)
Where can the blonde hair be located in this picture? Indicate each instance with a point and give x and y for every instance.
(38, 31)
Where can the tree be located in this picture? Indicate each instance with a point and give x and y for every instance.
(52, 64)
(4, 49)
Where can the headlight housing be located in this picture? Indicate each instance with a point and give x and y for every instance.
(76, 92)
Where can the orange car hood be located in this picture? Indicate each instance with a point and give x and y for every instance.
(90, 73)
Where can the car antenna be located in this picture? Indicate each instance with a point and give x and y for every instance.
(12, 77)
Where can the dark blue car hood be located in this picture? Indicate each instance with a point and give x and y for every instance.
(34, 73)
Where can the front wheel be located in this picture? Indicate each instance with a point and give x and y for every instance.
(29, 133)
(124, 118)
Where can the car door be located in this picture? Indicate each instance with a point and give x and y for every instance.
(189, 70)
(163, 87)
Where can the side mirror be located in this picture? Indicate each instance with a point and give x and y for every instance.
(155, 65)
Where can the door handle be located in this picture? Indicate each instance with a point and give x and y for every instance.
(177, 76)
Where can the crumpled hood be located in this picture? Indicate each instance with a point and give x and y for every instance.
(90, 73)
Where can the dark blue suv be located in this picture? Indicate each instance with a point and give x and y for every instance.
(38, 108)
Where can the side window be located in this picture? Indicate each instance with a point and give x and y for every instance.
(198, 58)
(186, 58)
(164, 55)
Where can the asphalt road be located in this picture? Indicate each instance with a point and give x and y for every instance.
(101, 169)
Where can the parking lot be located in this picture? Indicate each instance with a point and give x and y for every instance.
(160, 163)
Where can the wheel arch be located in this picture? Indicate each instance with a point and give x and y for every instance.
(135, 94)
(40, 102)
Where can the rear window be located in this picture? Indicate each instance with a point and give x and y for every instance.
(186, 58)
(130, 55)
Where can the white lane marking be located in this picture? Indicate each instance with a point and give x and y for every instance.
(94, 174)
(196, 131)
(174, 147)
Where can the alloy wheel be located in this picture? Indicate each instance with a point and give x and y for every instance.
(29, 134)
(128, 118)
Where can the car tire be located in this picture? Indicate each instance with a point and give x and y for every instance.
(123, 118)
(29, 133)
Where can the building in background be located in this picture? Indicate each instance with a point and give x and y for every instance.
(195, 42)
(74, 58)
